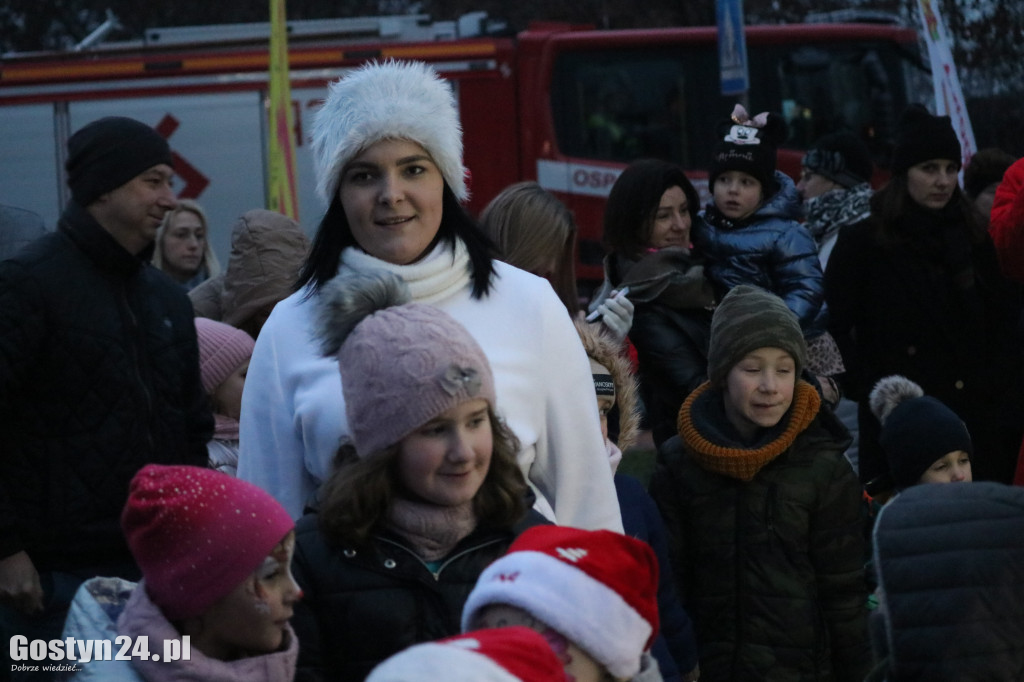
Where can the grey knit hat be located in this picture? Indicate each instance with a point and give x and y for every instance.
(749, 318)
(402, 364)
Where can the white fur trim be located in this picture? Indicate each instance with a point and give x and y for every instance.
(588, 612)
(388, 100)
(455, 662)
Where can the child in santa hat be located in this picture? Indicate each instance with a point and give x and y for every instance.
(592, 594)
(514, 654)
(217, 588)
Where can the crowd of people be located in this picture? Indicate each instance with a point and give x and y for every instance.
(390, 453)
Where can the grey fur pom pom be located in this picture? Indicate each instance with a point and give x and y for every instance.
(351, 297)
(890, 392)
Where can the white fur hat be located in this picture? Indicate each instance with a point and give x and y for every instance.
(388, 100)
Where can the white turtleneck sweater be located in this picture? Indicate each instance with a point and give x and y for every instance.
(293, 413)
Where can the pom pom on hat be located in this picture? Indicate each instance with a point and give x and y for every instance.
(385, 101)
(512, 654)
(922, 137)
(222, 350)
(917, 429)
(105, 154)
(597, 588)
(842, 158)
(749, 145)
(749, 318)
(402, 364)
(197, 534)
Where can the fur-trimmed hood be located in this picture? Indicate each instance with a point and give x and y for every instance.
(602, 348)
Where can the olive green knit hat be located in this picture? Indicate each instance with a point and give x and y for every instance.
(749, 318)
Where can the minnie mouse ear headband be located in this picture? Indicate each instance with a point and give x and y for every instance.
(749, 145)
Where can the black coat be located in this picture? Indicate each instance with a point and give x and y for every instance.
(771, 569)
(99, 375)
(360, 606)
(896, 308)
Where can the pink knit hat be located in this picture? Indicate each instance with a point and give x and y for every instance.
(222, 350)
(402, 364)
(197, 534)
(597, 588)
(512, 654)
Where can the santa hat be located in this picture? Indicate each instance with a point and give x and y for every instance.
(597, 588)
(512, 654)
(386, 101)
(197, 534)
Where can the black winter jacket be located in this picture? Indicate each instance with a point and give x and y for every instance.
(770, 570)
(360, 606)
(99, 375)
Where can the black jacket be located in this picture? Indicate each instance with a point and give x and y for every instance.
(99, 375)
(360, 606)
(899, 308)
(770, 570)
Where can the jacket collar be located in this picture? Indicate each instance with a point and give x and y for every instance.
(98, 244)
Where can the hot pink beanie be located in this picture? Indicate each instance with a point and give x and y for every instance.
(222, 350)
(598, 588)
(512, 654)
(197, 534)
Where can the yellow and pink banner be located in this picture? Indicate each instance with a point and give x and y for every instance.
(282, 190)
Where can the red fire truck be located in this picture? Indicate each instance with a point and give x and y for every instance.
(563, 105)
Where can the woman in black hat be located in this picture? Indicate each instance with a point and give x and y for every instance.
(916, 290)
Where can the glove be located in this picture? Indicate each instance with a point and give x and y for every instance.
(617, 316)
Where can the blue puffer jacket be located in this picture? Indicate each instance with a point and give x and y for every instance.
(771, 250)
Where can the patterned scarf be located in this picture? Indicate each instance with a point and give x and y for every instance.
(828, 212)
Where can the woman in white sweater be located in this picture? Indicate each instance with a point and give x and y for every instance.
(389, 164)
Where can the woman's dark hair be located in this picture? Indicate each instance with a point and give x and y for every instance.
(334, 234)
(893, 201)
(357, 496)
(633, 203)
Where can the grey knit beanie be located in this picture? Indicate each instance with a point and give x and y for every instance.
(749, 318)
(402, 364)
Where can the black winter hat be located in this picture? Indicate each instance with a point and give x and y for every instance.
(922, 137)
(916, 429)
(107, 153)
(841, 157)
(749, 145)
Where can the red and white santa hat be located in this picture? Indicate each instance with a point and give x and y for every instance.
(512, 654)
(597, 588)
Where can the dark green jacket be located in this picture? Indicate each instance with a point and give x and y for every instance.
(771, 570)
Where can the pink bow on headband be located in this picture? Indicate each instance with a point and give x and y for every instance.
(740, 116)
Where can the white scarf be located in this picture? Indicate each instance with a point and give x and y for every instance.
(435, 277)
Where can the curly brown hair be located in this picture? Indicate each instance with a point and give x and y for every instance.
(360, 491)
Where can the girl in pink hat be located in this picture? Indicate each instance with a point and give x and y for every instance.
(216, 594)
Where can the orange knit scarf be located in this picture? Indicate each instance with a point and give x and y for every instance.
(744, 463)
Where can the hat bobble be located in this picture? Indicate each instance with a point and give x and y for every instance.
(222, 350)
(917, 429)
(197, 534)
(597, 588)
(386, 101)
(402, 364)
(511, 654)
(921, 137)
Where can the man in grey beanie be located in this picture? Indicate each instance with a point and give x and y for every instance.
(99, 375)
